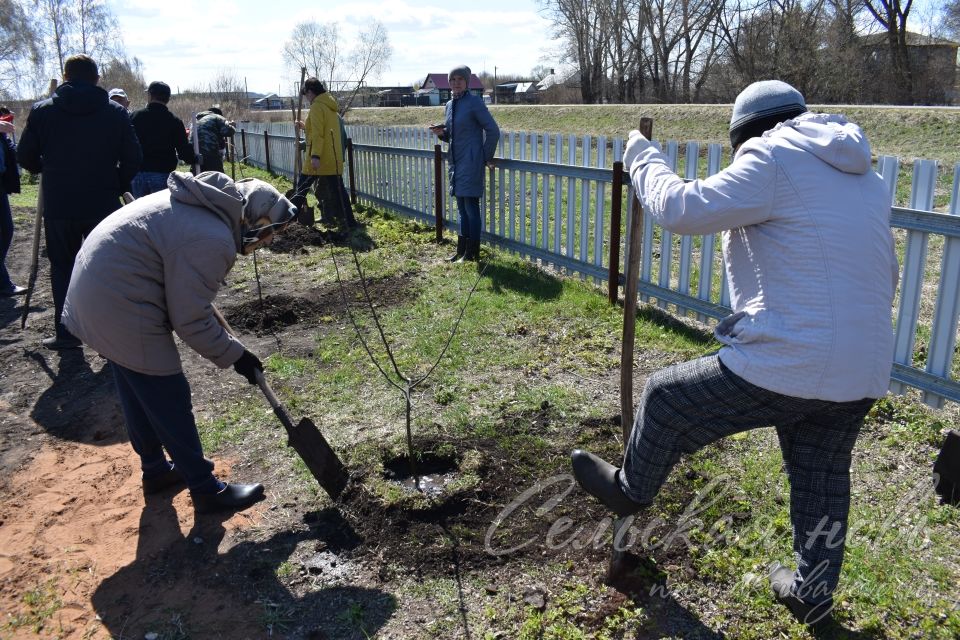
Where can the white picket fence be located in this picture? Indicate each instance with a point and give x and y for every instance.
(549, 199)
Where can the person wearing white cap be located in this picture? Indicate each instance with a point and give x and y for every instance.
(120, 97)
(812, 271)
(150, 270)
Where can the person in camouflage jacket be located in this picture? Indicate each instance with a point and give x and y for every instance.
(213, 130)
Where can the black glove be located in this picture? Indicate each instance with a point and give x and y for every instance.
(247, 365)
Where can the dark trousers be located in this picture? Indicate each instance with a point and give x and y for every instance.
(333, 200)
(64, 237)
(6, 238)
(212, 161)
(159, 415)
(470, 221)
(686, 407)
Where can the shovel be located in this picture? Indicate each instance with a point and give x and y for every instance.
(304, 437)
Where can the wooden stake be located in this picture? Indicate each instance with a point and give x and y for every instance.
(630, 305)
(618, 555)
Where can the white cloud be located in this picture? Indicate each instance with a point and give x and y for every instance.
(186, 43)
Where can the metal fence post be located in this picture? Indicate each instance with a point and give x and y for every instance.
(353, 180)
(266, 148)
(438, 189)
(243, 143)
(616, 195)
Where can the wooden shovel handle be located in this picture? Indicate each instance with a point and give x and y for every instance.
(271, 397)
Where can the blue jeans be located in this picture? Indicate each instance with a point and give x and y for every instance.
(159, 415)
(470, 219)
(6, 237)
(147, 182)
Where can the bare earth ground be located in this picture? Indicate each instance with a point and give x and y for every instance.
(76, 532)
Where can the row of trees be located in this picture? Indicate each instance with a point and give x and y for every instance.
(319, 48)
(706, 50)
(36, 37)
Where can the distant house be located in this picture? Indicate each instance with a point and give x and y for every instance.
(392, 96)
(524, 92)
(437, 87)
(933, 62)
(561, 86)
(271, 102)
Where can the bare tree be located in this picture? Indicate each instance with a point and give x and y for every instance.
(892, 16)
(58, 19)
(320, 49)
(368, 59)
(582, 25)
(96, 30)
(20, 52)
(314, 46)
(126, 74)
(951, 18)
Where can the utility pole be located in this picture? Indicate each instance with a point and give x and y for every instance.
(494, 84)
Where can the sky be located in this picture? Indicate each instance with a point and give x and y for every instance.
(188, 43)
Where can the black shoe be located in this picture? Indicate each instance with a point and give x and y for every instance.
(156, 484)
(17, 290)
(61, 344)
(233, 497)
(599, 479)
(461, 249)
(781, 581)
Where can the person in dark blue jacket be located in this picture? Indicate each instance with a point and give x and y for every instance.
(472, 135)
(9, 183)
(87, 153)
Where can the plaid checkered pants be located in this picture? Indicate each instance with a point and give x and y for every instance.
(686, 407)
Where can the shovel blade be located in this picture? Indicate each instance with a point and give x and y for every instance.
(319, 457)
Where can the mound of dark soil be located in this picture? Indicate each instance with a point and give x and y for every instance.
(280, 310)
(296, 238)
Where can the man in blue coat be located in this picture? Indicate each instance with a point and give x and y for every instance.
(87, 152)
(473, 135)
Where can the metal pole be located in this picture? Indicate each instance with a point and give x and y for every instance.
(438, 189)
(266, 148)
(616, 205)
(353, 175)
(243, 143)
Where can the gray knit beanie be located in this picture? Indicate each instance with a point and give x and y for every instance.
(761, 106)
(463, 71)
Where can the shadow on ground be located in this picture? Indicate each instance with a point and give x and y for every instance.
(184, 586)
(77, 398)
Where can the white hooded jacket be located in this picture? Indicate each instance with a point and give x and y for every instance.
(808, 251)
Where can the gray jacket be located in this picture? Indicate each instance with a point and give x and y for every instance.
(153, 268)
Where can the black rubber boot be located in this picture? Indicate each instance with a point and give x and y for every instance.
(599, 478)
(461, 249)
(473, 250)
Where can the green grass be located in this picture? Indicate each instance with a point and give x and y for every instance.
(40, 604)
